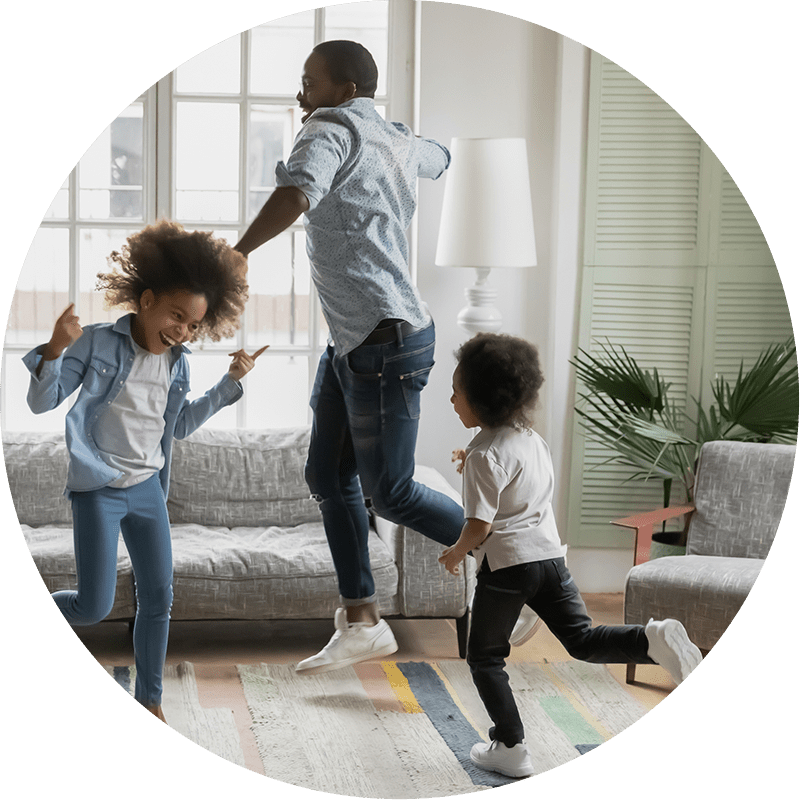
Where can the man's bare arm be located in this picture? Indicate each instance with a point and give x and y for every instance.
(282, 209)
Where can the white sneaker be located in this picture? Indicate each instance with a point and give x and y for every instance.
(496, 757)
(352, 642)
(671, 647)
(526, 625)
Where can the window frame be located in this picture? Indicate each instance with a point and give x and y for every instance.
(160, 103)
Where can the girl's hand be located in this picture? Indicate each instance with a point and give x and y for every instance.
(243, 363)
(66, 331)
(459, 455)
(451, 558)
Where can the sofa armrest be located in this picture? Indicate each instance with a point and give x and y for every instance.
(643, 525)
(425, 587)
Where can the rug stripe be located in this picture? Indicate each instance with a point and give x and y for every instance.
(604, 696)
(401, 688)
(448, 720)
(574, 726)
(377, 686)
(457, 699)
(594, 724)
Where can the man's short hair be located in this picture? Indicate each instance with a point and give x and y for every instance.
(350, 62)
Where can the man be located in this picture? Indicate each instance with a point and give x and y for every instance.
(354, 177)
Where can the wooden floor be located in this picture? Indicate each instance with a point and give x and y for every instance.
(215, 648)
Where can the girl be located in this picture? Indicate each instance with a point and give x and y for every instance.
(134, 379)
(510, 529)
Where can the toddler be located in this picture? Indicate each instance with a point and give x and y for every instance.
(133, 376)
(510, 529)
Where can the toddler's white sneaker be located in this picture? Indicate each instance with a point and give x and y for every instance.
(670, 646)
(526, 625)
(496, 757)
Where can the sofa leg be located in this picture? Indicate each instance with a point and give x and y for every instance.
(630, 673)
(462, 629)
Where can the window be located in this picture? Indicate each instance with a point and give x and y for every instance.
(200, 147)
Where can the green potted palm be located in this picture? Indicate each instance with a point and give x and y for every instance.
(628, 411)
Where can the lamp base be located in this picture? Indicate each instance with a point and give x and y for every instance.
(480, 315)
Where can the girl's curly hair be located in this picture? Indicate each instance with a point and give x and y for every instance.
(164, 257)
(500, 377)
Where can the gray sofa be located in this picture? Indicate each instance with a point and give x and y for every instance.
(248, 541)
(739, 495)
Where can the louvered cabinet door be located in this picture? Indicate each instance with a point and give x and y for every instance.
(746, 312)
(656, 315)
(676, 270)
(735, 237)
(647, 177)
(746, 308)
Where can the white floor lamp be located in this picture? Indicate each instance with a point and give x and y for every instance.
(487, 220)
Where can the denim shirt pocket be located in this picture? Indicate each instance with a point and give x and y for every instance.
(99, 376)
(178, 391)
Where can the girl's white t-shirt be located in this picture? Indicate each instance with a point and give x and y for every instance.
(508, 481)
(129, 433)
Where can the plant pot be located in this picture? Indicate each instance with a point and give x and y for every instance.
(667, 544)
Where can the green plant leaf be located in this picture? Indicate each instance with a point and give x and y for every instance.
(617, 375)
(764, 400)
(628, 412)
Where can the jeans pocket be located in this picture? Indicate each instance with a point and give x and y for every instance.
(362, 384)
(412, 384)
(563, 573)
(502, 589)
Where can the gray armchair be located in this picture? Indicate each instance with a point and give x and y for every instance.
(739, 496)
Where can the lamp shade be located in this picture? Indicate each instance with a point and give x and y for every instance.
(487, 214)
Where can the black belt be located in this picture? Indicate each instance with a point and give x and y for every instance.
(391, 330)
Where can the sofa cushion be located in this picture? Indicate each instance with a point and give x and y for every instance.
(53, 553)
(703, 592)
(264, 573)
(36, 465)
(241, 478)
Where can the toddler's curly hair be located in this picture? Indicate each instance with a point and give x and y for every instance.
(164, 257)
(500, 377)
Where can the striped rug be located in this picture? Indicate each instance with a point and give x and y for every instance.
(396, 729)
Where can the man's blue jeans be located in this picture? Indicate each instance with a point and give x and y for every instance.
(140, 512)
(366, 415)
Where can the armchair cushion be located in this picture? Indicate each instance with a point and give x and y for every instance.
(704, 592)
(740, 493)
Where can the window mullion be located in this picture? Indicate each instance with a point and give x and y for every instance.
(150, 152)
(244, 154)
(74, 277)
(165, 149)
(319, 25)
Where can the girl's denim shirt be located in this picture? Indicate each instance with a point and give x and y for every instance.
(100, 362)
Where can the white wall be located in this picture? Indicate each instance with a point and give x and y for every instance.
(485, 74)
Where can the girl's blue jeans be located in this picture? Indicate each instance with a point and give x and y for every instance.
(140, 512)
(366, 416)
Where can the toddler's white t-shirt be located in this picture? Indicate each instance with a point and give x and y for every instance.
(129, 433)
(508, 481)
